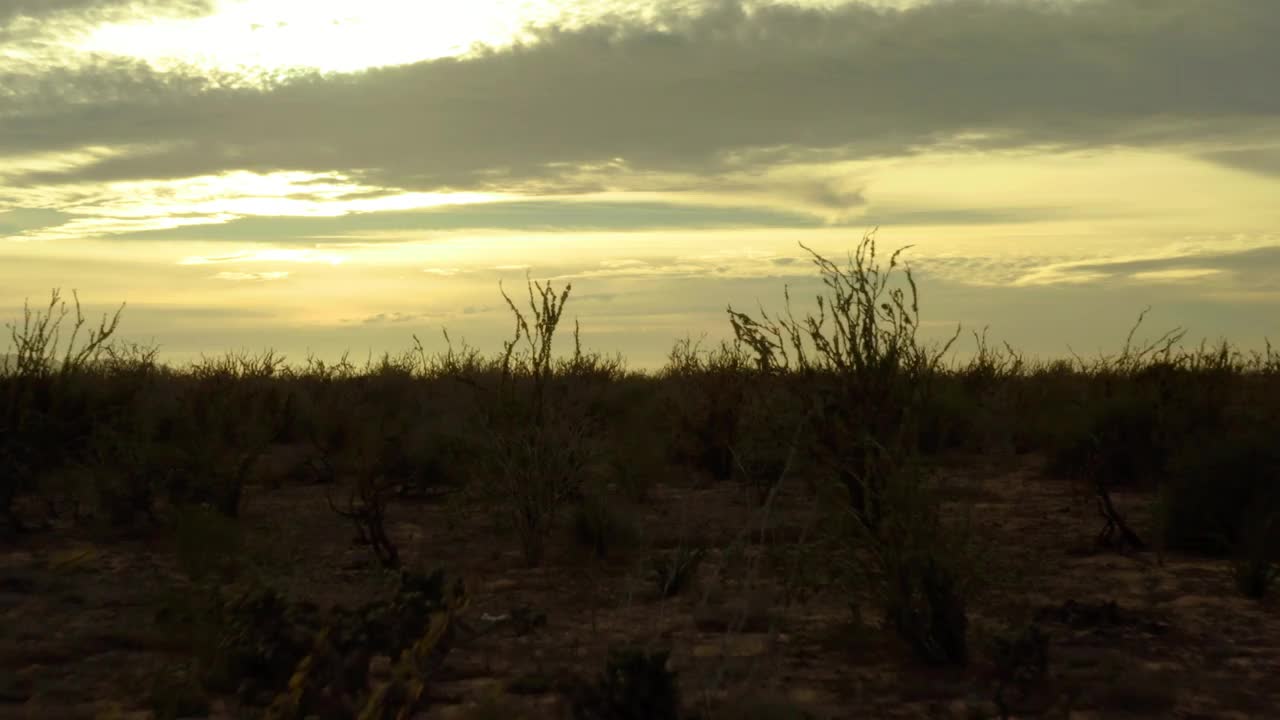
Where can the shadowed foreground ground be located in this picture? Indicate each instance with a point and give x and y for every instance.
(80, 637)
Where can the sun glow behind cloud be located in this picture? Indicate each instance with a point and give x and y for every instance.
(258, 36)
(343, 36)
(327, 35)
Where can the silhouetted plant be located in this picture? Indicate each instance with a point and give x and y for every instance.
(542, 436)
(1217, 487)
(178, 695)
(208, 543)
(773, 431)
(868, 377)
(300, 661)
(979, 406)
(600, 524)
(46, 405)
(366, 509)
(922, 571)
(674, 570)
(869, 382)
(362, 458)
(708, 391)
(1021, 662)
(635, 685)
(36, 344)
(1257, 564)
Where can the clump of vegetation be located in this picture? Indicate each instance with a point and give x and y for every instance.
(636, 685)
(44, 402)
(675, 570)
(1216, 489)
(297, 661)
(708, 390)
(208, 544)
(636, 458)
(866, 376)
(972, 407)
(601, 524)
(366, 509)
(870, 383)
(180, 696)
(543, 431)
(1021, 661)
(1257, 564)
(772, 435)
(922, 571)
(1165, 418)
(257, 638)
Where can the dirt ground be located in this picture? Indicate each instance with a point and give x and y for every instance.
(79, 638)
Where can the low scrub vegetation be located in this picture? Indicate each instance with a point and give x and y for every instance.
(832, 429)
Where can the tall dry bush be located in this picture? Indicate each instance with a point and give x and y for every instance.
(1181, 421)
(868, 379)
(541, 426)
(706, 394)
(377, 434)
(869, 383)
(47, 408)
(978, 407)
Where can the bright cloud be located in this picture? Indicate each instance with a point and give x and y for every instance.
(274, 275)
(271, 255)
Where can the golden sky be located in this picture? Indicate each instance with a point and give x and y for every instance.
(321, 175)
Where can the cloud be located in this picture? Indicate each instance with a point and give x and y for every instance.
(36, 36)
(259, 276)
(271, 255)
(721, 264)
(396, 318)
(540, 215)
(1175, 275)
(899, 215)
(1261, 160)
(1244, 270)
(13, 10)
(989, 271)
(275, 202)
(17, 220)
(718, 89)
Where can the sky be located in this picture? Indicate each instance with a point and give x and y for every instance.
(316, 176)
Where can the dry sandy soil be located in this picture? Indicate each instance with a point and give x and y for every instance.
(78, 636)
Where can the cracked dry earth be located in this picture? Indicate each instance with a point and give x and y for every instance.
(1130, 636)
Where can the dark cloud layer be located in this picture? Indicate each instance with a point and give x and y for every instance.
(1260, 160)
(725, 88)
(40, 22)
(1254, 269)
(40, 9)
